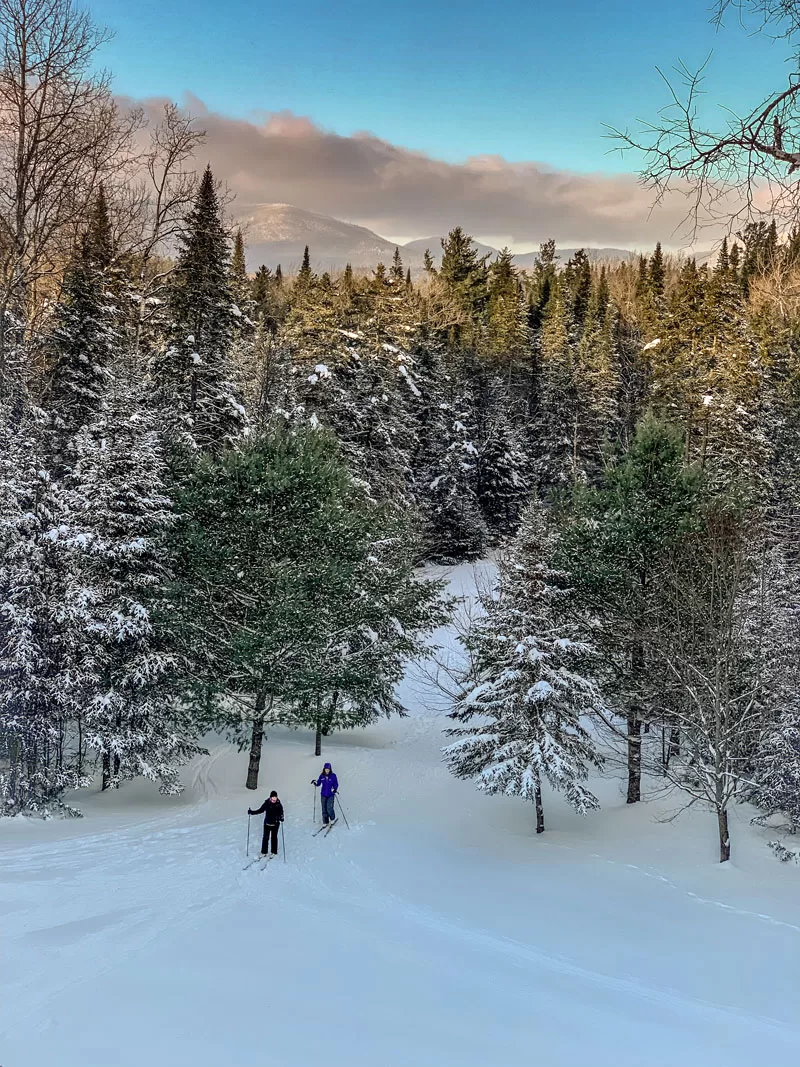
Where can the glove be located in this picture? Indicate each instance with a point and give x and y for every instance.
(313, 781)
(249, 811)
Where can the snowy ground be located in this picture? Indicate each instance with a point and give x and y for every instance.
(439, 930)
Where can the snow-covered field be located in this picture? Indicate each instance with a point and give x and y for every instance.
(438, 930)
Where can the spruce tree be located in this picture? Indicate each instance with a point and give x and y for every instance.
(527, 684)
(194, 375)
(397, 274)
(119, 520)
(80, 349)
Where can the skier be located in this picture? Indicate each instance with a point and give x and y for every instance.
(273, 817)
(330, 784)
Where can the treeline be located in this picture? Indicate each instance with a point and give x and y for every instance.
(216, 485)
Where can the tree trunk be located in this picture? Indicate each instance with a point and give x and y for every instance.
(539, 808)
(256, 740)
(318, 739)
(724, 836)
(674, 742)
(106, 771)
(634, 760)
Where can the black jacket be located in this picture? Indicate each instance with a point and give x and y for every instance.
(273, 813)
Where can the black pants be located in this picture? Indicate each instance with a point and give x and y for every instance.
(270, 837)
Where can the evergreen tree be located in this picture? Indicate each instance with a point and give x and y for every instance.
(195, 375)
(506, 328)
(42, 623)
(240, 283)
(502, 484)
(527, 685)
(80, 348)
(274, 555)
(99, 244)
(614, 543)
(455, 527)
(397, 274)
(304, 275)
(462, 287)
(120, 517)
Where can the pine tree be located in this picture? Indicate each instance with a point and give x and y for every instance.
(99, 244)
(614, 543)
(304, 275)
(455, 526)
(462, 287)
(240, 283)
(527, 685)
(80, 349)
(120, 517)
(42, 620)
(656, 276)
(502, 484)
(277, 538)
(578, 286)
(506, 328)
(397, 274)
(195, 376)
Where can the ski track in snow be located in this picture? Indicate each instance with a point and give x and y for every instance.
(437, 930)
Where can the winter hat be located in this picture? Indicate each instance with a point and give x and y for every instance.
(274, 793)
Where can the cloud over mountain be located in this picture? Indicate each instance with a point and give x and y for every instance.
(282, 157)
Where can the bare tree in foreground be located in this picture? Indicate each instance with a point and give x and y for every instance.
(61, 134)
(746, 167)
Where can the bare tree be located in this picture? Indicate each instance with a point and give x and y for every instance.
(748, 166)
(61, 134)
(158, 201)
(722, 643)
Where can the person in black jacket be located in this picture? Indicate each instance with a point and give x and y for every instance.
(273, 817)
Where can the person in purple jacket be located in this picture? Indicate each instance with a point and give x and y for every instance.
(329, 784)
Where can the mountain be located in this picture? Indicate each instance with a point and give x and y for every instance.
(278, 233)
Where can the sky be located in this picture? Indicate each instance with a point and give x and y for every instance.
(521, 82)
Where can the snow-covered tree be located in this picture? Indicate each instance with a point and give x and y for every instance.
(42, 617)
(502, 485)
(120, 517)
(455, 526)
(528, 691)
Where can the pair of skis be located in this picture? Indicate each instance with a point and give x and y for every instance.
(326, 828)
(259, 859)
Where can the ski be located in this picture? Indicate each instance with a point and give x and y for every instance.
(265, 864)
(247, 866)
(325, 826)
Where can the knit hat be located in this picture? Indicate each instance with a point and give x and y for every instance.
(274, 793)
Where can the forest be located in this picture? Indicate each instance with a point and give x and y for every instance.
(220, 489)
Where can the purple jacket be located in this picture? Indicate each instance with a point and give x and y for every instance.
(329, 782)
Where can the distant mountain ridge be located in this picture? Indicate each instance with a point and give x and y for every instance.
(278, 233)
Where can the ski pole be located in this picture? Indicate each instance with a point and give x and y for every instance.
(341, 809)
(315, 802)
(283, 839)
(247, 853)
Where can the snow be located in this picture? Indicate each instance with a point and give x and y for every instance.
(437, 930)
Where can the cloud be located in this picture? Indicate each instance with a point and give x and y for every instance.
(280, 157)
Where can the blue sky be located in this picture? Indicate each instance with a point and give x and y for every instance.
(520, 78)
